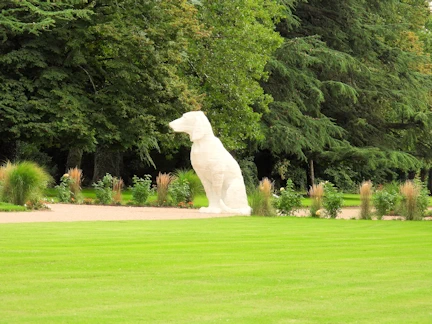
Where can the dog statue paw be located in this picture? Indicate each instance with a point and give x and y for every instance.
(210, 210)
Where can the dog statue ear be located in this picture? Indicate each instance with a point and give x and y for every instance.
(201, 126)
(198, 130)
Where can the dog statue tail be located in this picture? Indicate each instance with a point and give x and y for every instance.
(246, 211)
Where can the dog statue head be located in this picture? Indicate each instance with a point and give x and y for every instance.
(194, 123)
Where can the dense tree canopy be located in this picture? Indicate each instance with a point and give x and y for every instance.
(350, 86)
(343, 86)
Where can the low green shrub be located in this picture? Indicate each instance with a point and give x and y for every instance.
(385, 201)
(193, 181)
(141, 189)
(179, 191)
(104, 190)
(64, 194)
(289, 200)
(333, 200)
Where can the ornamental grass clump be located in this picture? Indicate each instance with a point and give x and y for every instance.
(22, 182)
(366, 200)
(316, 192)
(261, 199)
(76, 176)
(4, 170)
(118, 185)
(163, 181)
(414, 200)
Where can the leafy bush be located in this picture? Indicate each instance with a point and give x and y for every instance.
(141, 189)
(104, 191)
(289, 201)
(385, 201)
(23, 182)
(179, 191)
(333, 200)
(64, 194)
(261, 199)
(192, 179)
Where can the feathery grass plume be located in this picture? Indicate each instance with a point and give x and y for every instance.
(316, 192)
(24, 181)
(365, 200)
(261, 199)
(76, 175)
(410, 193)
(163, 181)
(118, 185)
(5, 169)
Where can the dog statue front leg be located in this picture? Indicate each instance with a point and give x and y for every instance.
(213, 190)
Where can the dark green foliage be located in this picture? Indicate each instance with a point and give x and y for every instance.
(250, 173)
(348, 86)
(228, 64)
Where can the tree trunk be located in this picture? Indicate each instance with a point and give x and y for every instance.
(74, 158)
(312, 172)
(429, 183)
(107, 161)
(8, 150)
(423, 174)
(411, 175)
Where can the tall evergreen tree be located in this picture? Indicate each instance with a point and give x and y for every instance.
(346, 90)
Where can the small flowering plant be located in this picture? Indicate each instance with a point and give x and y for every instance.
(289, 200)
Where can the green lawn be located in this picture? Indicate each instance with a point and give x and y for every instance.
(5, 207)
(233, 270)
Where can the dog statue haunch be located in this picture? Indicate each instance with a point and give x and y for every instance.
(219, 173)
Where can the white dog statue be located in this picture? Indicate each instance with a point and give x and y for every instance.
(220, 174)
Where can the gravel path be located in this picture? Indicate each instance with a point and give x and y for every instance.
(74, 213)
